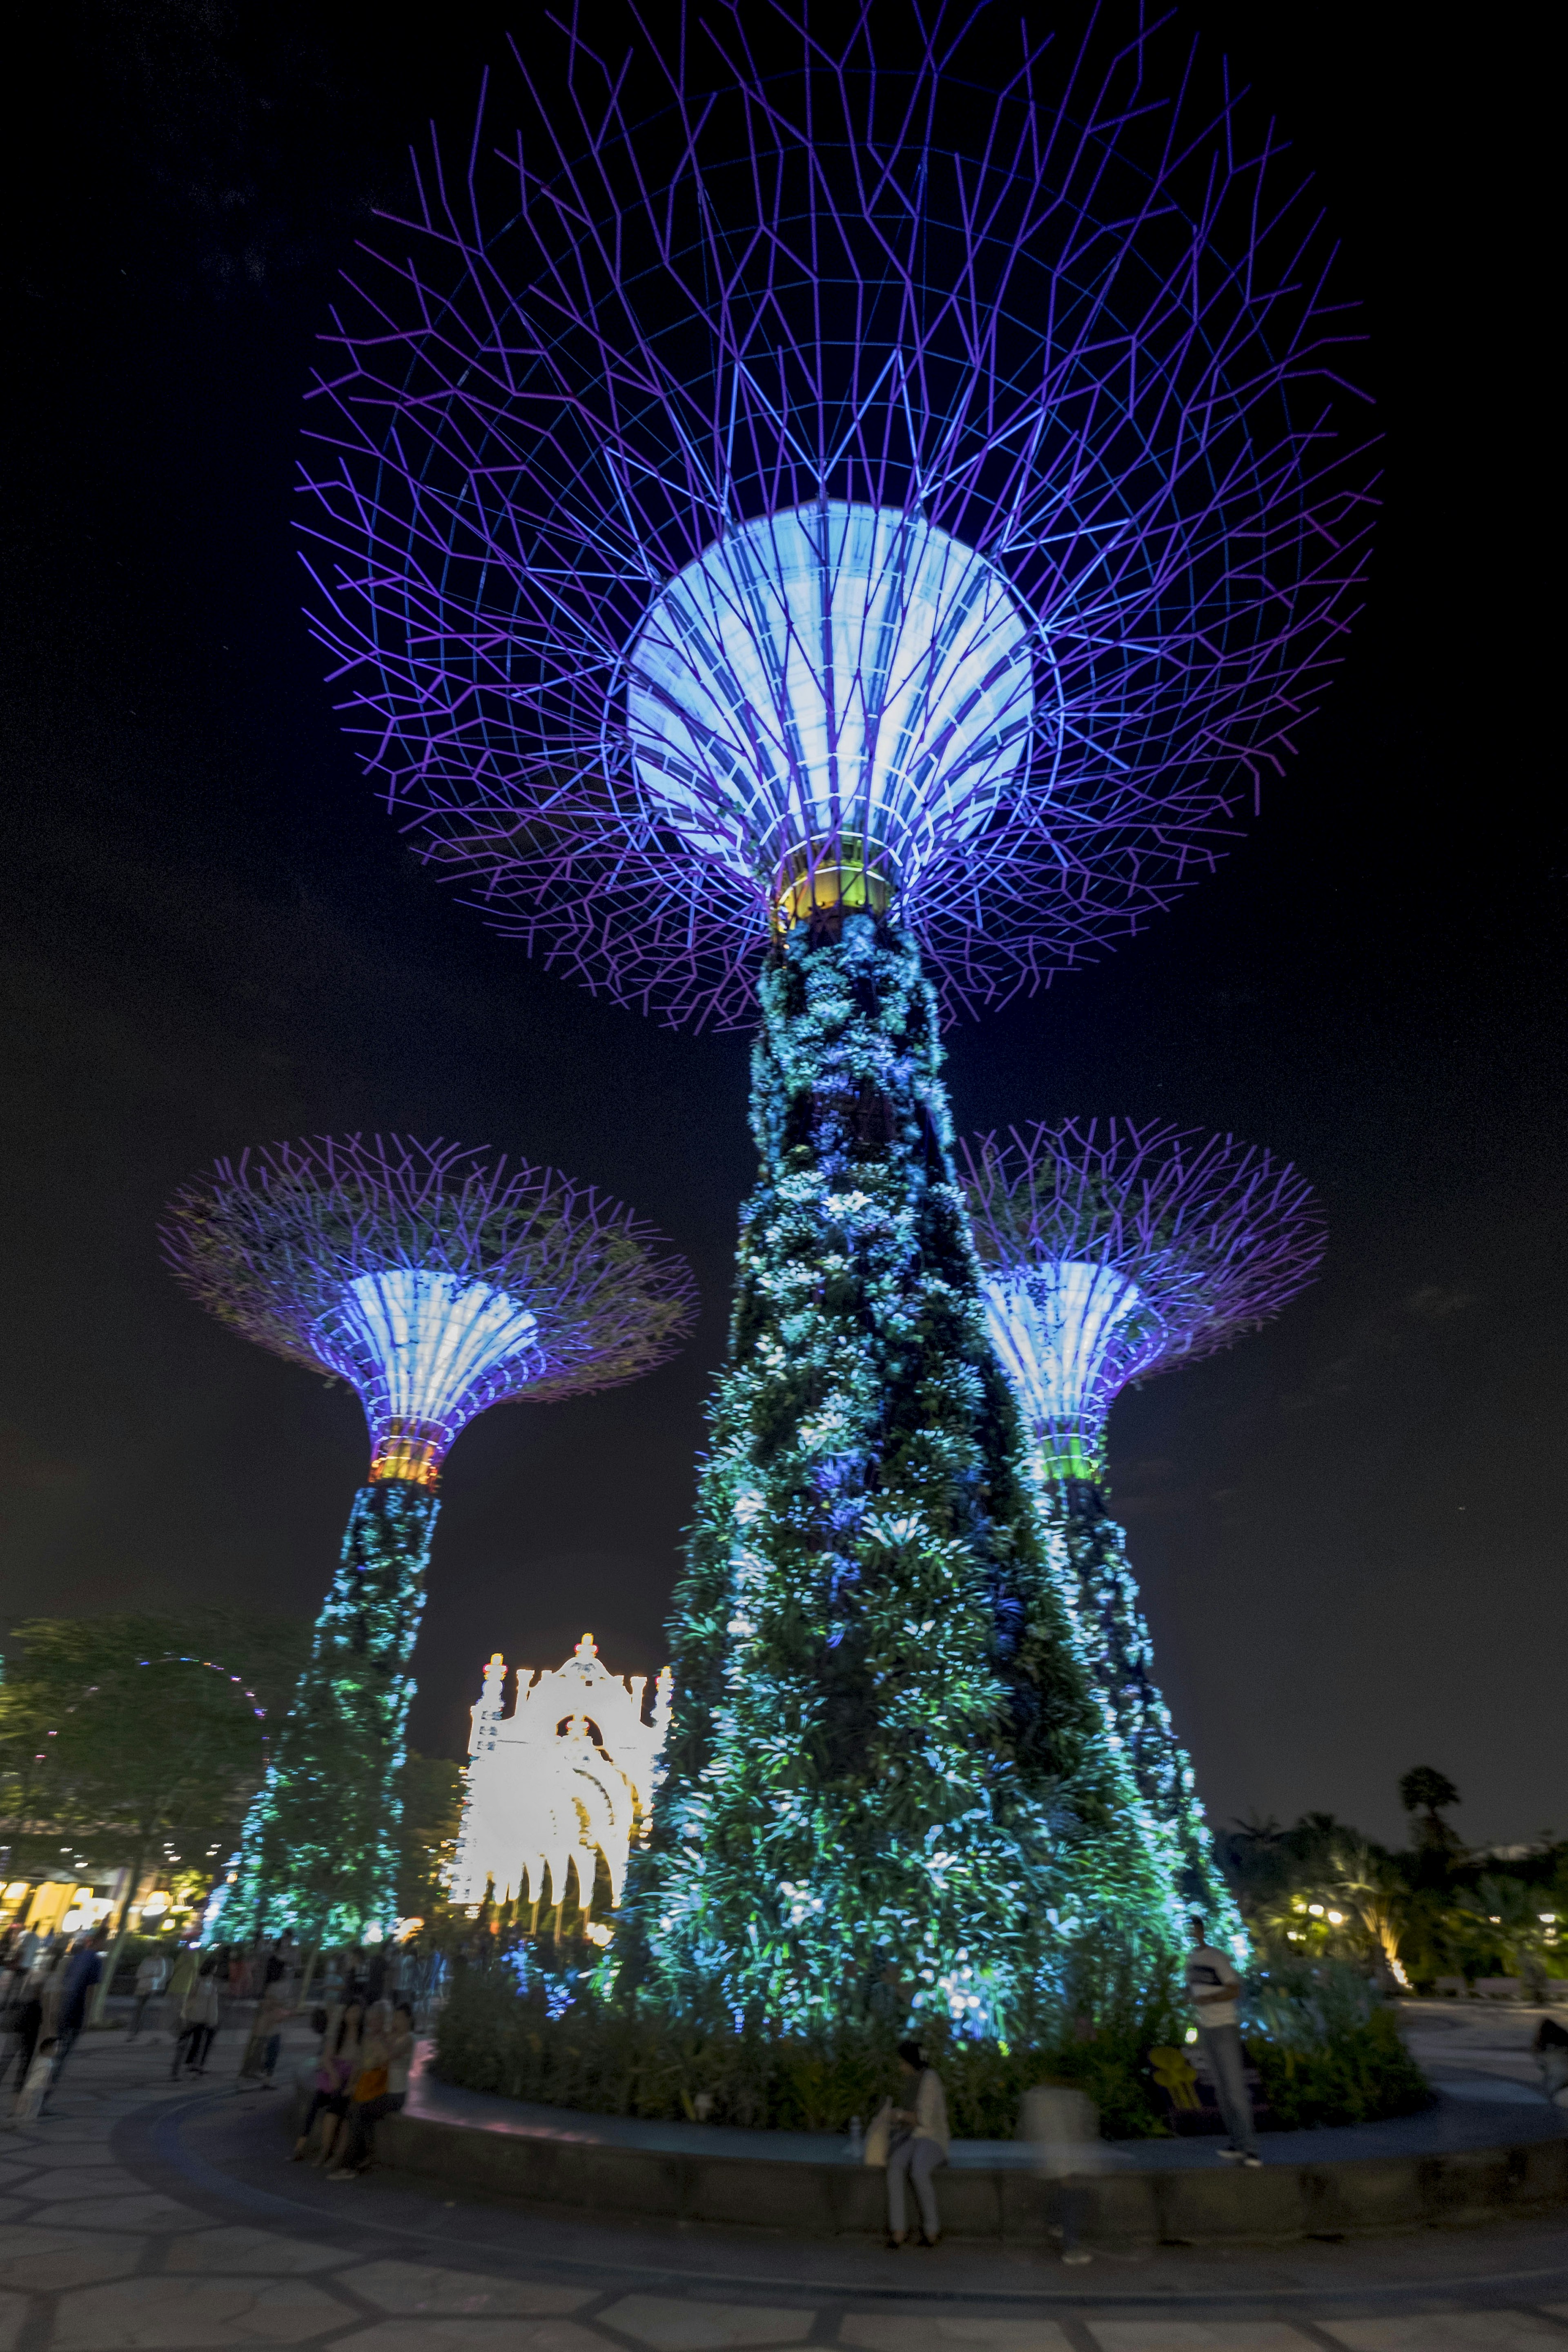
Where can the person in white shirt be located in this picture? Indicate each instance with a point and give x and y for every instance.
(1214, 1989)
(1062, 2123)
(150, 1977)
(916, 2156)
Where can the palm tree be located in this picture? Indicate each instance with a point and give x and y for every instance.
(1425, 1790)
(1371, 1890)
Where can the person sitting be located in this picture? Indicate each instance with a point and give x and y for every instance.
(380, 2090)
(922, 2148)
(337, 2064)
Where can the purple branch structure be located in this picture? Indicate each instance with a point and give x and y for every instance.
(842, 510)
(436, 1285)
(1109, 1252)
(433, 1285)
(808, 467)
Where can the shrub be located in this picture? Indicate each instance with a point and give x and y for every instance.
(1327, 2050)
(557, 2040)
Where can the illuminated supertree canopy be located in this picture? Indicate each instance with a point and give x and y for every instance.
(840, 511)
(435, 1285)
(1110, 1251)
(831, 458)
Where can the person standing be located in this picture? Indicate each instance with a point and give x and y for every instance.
(1063, 2124)
(83, 1968)
(1214, 1988)
(273, 2011)
(199, 2015)
(182, 1978)
(916, 2156)
(1550, 2048)
(151, 1973)
(26, 2017)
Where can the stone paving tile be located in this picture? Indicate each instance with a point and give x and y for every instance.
(473, 2336)
(942, 2331)
(87, 2181)
(238, 2248)
(1446, 2331)
(46, 2260)
(176, 2315)
(146, 2210)
(1198, 2336)
(413, 2287)
(668, 2325)
(55, 2132)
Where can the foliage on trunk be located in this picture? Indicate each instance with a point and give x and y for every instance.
(320, 1853)
(1119, 1649)
(885, 1746)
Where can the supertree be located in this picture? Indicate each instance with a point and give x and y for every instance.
(846, 505)
(435, 1285)
(1110, 1251)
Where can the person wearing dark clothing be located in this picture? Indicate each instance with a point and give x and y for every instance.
(26, 2017)
(1550, 2048)
(83, 1968)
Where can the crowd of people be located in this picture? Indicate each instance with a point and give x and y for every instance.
(359, 2007)
(45, 1986)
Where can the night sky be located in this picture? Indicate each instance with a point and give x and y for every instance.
(1349, 1527)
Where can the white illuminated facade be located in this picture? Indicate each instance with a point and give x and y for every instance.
(1058, 1329)
(837, 671)
(568, 1776)
(432, 1338)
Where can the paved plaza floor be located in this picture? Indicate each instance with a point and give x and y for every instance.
(161, 2215)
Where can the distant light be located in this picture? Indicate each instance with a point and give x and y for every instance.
(1316, 1909)
(833, 670)
(1336, 1918)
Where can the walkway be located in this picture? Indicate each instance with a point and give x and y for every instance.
(146, 2214)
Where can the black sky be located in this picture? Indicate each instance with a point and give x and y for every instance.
(1348, 1528)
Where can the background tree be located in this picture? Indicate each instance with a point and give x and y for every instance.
(142, 1738)
(431, 1789)
(1429, 1792)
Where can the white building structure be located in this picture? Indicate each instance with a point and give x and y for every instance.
(566, 1777)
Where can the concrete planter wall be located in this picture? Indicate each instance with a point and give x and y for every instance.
(1131, 2208)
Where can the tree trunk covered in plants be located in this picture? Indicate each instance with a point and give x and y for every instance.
(885, 1747)
(1121, 1655)
(319, 1850)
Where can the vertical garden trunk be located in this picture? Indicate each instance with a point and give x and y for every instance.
(884, 1745)
(319, 1850)
(1121, 1655)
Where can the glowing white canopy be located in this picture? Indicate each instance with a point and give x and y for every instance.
(1054, 1328)
(835, 670)
(432, 1335)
